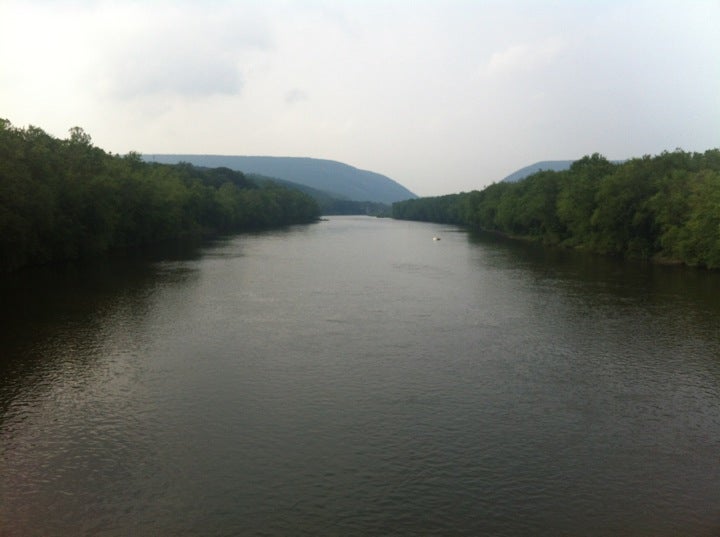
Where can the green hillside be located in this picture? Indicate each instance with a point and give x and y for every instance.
(339, 180)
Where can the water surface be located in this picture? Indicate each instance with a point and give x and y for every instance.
(355, 377)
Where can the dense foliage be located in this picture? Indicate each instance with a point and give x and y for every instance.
(67, 199)
(665, 207)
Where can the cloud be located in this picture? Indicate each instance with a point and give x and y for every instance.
(295, 95)
(189, 52)
(525, 57)
(162, 73)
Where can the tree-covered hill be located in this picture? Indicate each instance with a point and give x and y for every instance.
(338, 180)
(665, 207)
(544, 165)
(553, 165)
(328, 204)
(67, 199)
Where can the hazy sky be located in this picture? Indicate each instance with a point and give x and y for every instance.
(442, 96)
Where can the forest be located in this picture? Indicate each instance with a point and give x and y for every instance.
(65, 199)
(664, 208)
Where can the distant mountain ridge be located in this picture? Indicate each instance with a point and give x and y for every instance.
(543, 165)
(548, 165)
(335, 178)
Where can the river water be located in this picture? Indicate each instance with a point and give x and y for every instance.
(356, 377)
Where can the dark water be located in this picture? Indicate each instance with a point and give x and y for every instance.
(355, 377)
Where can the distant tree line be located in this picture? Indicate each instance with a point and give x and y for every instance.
(328, 203)
(348, 207)
(67, 199)
(665, 207)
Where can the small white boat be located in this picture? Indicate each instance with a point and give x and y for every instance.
(436, 238)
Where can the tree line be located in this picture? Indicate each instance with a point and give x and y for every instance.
(63, 199)
(664, 207)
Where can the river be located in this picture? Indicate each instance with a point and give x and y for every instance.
(356, 377)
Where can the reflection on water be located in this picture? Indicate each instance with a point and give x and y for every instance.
(355, 377)
(692, 294)
(58, 316)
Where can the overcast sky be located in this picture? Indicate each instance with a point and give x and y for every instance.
(442, 96)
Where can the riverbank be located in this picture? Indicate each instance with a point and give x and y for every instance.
(662, 209)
